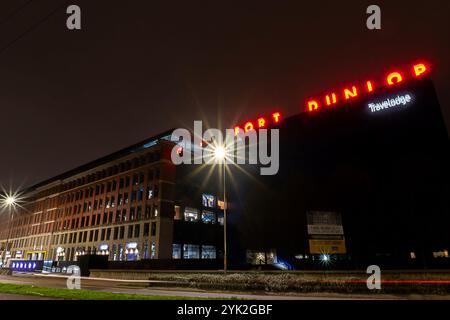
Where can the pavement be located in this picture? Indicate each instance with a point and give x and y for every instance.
(157, 288)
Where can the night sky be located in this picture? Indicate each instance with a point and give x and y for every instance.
(141, 67)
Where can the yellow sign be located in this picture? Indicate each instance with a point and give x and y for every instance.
(327, 246)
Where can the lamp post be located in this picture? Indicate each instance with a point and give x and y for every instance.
(8, 202)
(220, 155)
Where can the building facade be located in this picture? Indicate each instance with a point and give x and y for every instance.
(123, 205)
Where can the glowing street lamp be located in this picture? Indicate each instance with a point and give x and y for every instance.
(9, 201)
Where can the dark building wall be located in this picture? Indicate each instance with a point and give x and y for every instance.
(386, 173)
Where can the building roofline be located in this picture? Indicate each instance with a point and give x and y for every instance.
(102, 160)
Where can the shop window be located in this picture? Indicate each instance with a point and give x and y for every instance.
(176, 251)
(191, 251)
(208, 252)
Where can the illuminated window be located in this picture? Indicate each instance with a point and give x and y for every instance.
(208, 200)
(190, 214)
(176, 251)
(208, 252)
(220, 218)
(191, 251)
(208, 217)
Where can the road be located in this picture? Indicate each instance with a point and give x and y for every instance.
(125, 286)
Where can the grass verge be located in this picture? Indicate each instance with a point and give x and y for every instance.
(82, 294)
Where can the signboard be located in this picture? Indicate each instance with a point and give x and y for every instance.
(325, 229)
(327, 246)
(324, 223)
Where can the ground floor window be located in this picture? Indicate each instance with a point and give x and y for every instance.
(191, 251)
(152, 249)
(176, 251)
(208, 252)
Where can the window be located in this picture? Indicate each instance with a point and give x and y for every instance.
(153, 233)
(132, 215)
(208, 252)
(220, 218)
(148, 212)
(191, 251)
(130, 231)
(122, 232)
(137, 230)
(108, 234)
(140, 194)
(138, 213)
(116, 233)
(152, 250)
(190, 214)
(208, 200)
(149, 193)
(176, 251)
(146, 229)
(102, 235)
(208, 217)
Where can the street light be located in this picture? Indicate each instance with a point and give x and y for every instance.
(9, 201)
(220, 155)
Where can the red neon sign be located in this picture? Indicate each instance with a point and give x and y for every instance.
(259, 123)
(353, 91)
(331, 98)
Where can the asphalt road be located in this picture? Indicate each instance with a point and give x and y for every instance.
(117, 286)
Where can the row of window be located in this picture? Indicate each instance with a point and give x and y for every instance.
(193, 251)
(133, 231)
(193, 215)
(122, 199)
(123, 182)
(113, 170)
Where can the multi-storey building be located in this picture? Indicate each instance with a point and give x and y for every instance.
(123, 205)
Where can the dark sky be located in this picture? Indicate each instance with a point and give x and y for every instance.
(140, 67)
